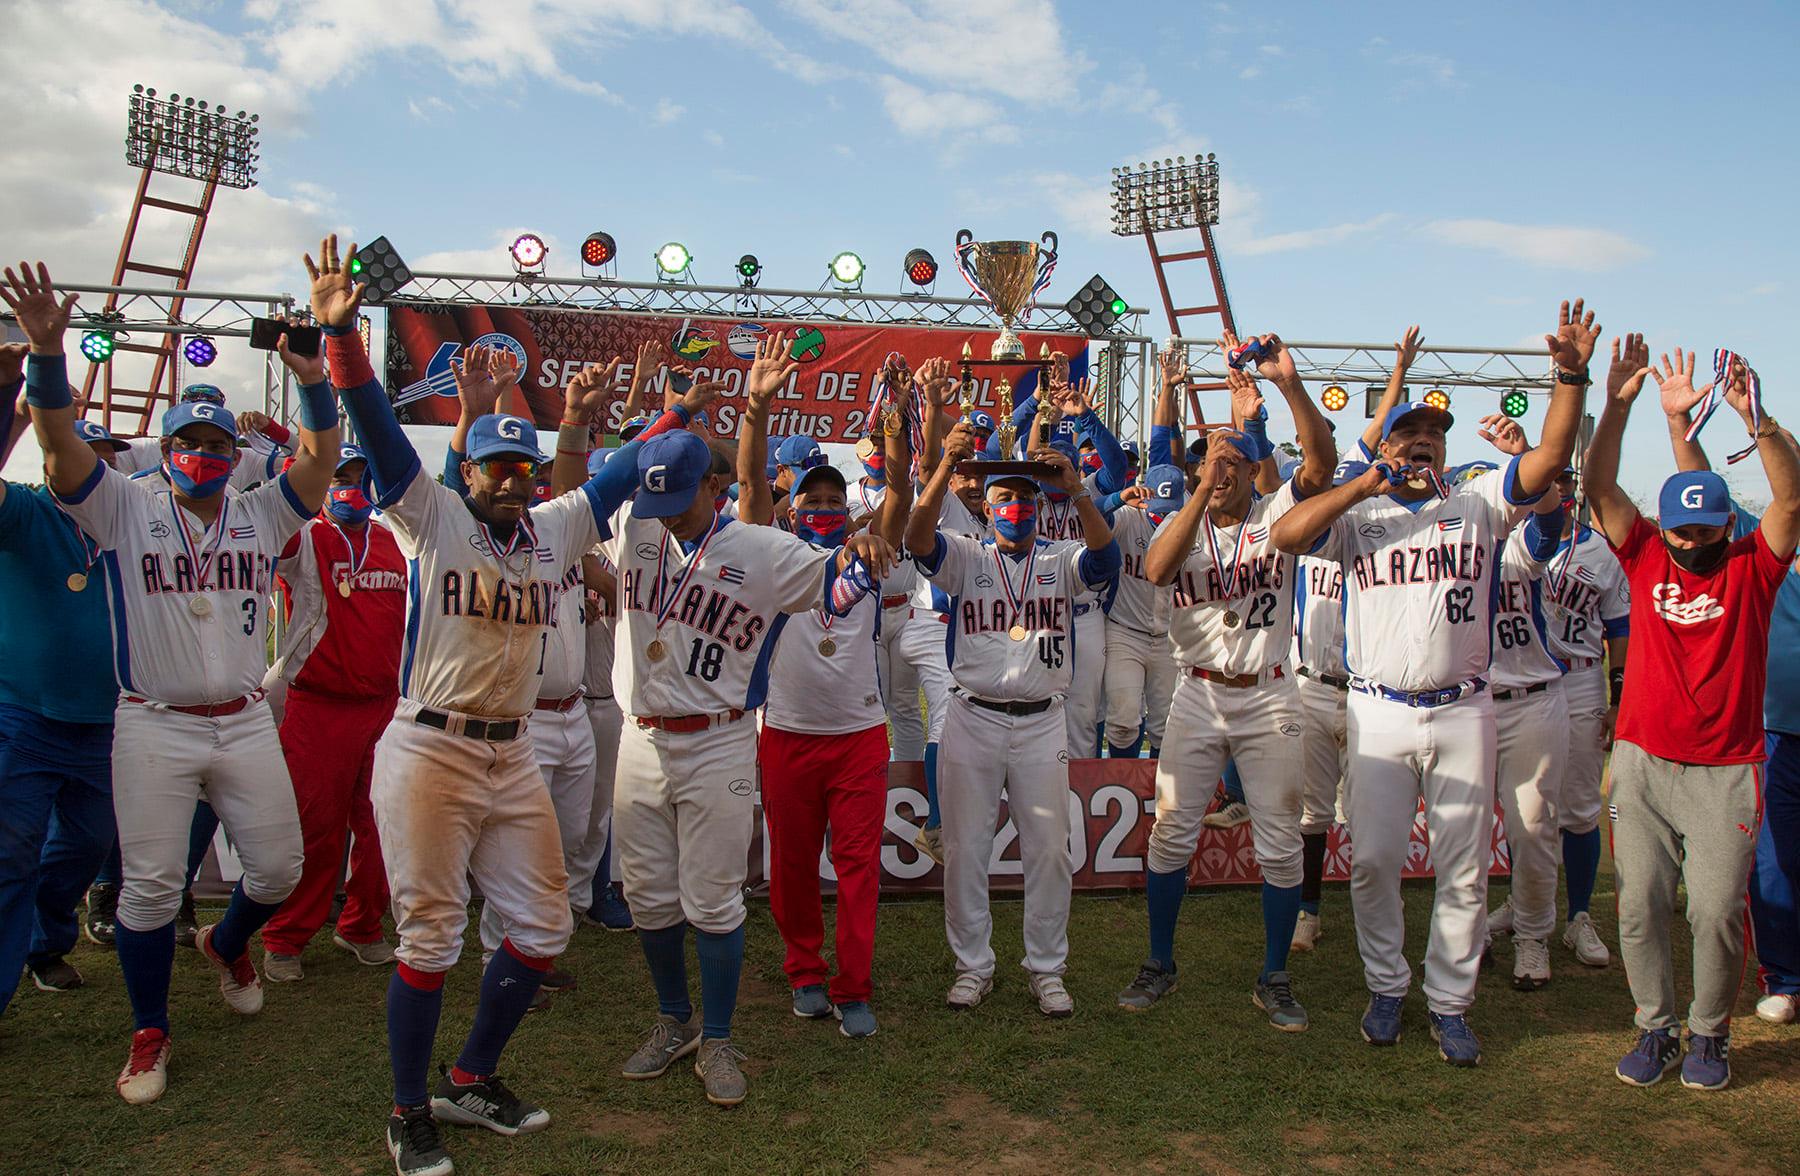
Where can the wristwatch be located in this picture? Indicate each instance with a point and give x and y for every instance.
(1768, 428)
(1576, 379)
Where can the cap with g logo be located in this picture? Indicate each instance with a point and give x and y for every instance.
(95, 433)
(981, 421)
(1694, 498)
(499, 435)
(801, 453)
(670, 466)
(199, 412)
(1168, 488)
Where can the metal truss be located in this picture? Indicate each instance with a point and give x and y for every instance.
(1357, 364)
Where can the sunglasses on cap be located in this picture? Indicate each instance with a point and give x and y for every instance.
(503, 468)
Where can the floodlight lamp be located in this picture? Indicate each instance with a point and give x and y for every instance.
(200, 351)
(1335, 398)
(529, 251)
(748, 267)
(598, 249)
(673, 258)
(847, 268)
(1437, 398)
(1118, 306)
(98, 346)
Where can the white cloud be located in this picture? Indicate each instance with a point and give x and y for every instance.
(425, 111)
(1559, 246)
(494, 258)
(1414, 70)
(666, 112)
(1240, 230)
(948, 113)
(1310, 238)
(1249, 73)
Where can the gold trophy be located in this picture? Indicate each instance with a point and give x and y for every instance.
(1003, 424)
(1008, 275)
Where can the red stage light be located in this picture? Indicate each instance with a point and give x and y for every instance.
(598, 249)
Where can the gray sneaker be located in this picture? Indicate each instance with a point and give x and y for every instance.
(856, 1018)
(811, 1002)
(669, 1039)
(1152, 984)
(282, 969)
(1275, 996)
(718, 1068)
(374, 954)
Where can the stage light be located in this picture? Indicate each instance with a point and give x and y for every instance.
(98, 346)
(1096, 307)
(379, 269)
(1439, 399)
(674, 258)
(1515, 403)
(921, 267)
(598, 249)
(529, 251)
(847, 268)
(200, 351)
(1334, 398)
(1118, 306)
(749, 269)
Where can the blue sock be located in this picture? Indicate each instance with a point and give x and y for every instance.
(200, 835)
(1117, 752)
(1099, 736)
(1234, 786)
(1281, 909)
(1165, 892)
(507, 988)
(243, 918)
(665, 950)
(1581, 862)
(1155, 752)
(721, 959)
(147, 958)
(602, 877)
(412, 1021)
(933, 815)
(113, 871)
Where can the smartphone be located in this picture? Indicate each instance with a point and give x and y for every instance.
(265, 332)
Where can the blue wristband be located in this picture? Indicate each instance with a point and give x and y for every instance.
(47, 381)
(1255, 432)
(318, 407)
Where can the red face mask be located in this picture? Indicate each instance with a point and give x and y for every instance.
(197, 474)
(541, 494)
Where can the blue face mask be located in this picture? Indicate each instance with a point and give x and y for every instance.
(347, 505)
(824, 527)
(1014, 521)
(197, 474)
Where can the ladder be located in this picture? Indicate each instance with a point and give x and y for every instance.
(1220, 305)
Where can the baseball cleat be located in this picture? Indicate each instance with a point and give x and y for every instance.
(102, 913)
(282, 969)
(412, 1139)
(374, 953)
(1228, 816)
(1778, 1008)
(669, 1039)
(930, 842)
(811, 1003)
(1381, 1020)
(968, 990)
(238, 981)
(1053, 999)
(1500, 919)
(1456, 1041)
(187, 926)
(1584, 940)
(57, 975)
(1708, 1063)
(1531, 964)
(1274, 995)
(855, 1018)
(485, 1102)
(556, 980)
(1656, 1053)
(1306, 932)
(610, 913)
(146, 1072)
(1153, 982)
(717, 1066)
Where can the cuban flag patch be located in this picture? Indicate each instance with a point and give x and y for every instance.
(245, 532)
(731, 575)
(1449, 526)
(1046, 579)
(1259, 534)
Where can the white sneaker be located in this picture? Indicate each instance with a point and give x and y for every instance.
(1778, 1009)
(146, 1072)
(1227, 817)
(375, 953)
(238, 982)
(930, 842)
(1531, 964)
(282, 969)
(968, 990)
(1581, 938)
(1053, 999)
(1306, 932)
(1500, 919)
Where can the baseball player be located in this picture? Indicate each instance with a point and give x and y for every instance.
(1011, 637)
(264, 444)
(591, 889)
(1419, 582)
(702, 601)
(1231, 627)
(188, 572)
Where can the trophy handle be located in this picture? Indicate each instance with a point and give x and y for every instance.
(963, 238)
(1046, 263)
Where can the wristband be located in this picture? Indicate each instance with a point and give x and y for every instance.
(47, 382)
(1616, 680)
(278, 432)
(349, 362)
(318, 407)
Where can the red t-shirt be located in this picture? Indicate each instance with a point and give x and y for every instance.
(1699, 650)
(345, 646)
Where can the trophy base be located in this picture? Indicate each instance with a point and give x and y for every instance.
(1007, 345)
(1009, 469)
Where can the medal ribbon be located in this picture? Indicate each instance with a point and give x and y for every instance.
(1230, 579)
(1558, 573)
(1016, 601)
(1722, 361)
(666, 604)
(356, 562)
(200, 561)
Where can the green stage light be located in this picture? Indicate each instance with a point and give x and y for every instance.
(98, 346)
(673, 258)
(847, 268)
(1515, 403)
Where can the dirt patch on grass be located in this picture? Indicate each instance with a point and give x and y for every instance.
(634, 1127)
(1708, 1148)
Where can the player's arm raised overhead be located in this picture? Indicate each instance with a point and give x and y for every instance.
(938, 388)
(646, 365)
(1781, 464)
(478, 372)
(15, 414)
(1571, 347)
(1249, 416)
(316, 459)
(896, 503)
(1101, 561)
(1078, 406)
(1405, 351)
(1613, 511)
(1543, 529)
(1174, 540)
(581, 400)
(392, 460)
(1318, 453)
(769, 373)
(68, 461)
(1165, 422)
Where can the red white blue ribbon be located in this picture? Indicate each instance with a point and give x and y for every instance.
(672, 592)
(1723, 360)
(200, 561)
(1015, 600)
(1228, 577)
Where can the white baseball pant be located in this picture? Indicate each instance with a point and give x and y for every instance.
(1139, 682)
(1587, 698)
(1259, 727)
(1397, 753)
(1084, 707)
(983, 754)
(918, 661)
(449, 806)
(683, 806)
(1322, 750)
(899, 685)
(163, 761)
(1531, 748)
(604, 717)
(562, 743)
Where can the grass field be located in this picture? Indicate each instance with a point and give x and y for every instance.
(1201, 1084)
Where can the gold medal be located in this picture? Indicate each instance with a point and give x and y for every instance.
(1017, 632)
(344, 589)
(828, 647)
(200, 606)
(655, 650)
(77, 581)
(1231, 619)
(1416, 483)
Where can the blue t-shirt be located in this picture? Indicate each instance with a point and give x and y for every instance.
(55, 643)
(1781, 697)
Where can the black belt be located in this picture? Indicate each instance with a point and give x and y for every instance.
(1036, 707)
(487, 730)
(1509, 695)
(1334, 680)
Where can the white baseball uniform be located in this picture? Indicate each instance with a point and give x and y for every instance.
(1419, 584)
(190, 607)
(1586, 601)
(1084, 710)
(920, 660)
(605, 720)
(1140, 659)
(1323, 682)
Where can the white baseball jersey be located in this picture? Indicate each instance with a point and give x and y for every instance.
(1238, 622)
(563, 665)
(815, 693)
(482, 610)
(1586, 597)
(1319, 616)
(1521, 648)
(260, 462)
(1419, 581)
(698, 623)
(992, 597)
(1138, 603)
(190, 604)
(903, 578)
(600, 634)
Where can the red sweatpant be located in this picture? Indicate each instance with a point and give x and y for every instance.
(809, 782)
(329, 744)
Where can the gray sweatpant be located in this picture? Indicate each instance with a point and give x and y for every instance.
(1675, 823)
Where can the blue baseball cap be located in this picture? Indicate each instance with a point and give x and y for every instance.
(207, 393)
(824, 470)
(1168, 488)
(1400, 412)
(981, 421)
(95, 433)
(993, 480)
(801, 453)
(348, 454)
(500, 435)
(1133, 456)
(632, 426)
(597, 459)
(199, 412)
(774, 455)
(670, 466)
(1694, 498)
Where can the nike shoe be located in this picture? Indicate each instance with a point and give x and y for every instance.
(485, 1102)
(57, 975)
(413, 1141)
(1581, 938)
(1531, 964)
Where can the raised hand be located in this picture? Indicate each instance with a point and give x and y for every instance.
(1059, 370)
(586, 393)
(1503, 433)
(1173, 364)
(1076, 399)
(1737, 389)
(873, 550)
(770, 370)
(1063, 475)
(12, 362)
(251, 421)
(1277, 364)
(937, 380)
(503, 368)
(32, 299)
(1134, 495)
(1407, 349)
(1246, 401)
(1572, 346)
(700, 395)
(475, 389)
(1675, 381)
(644, 367)
(335, 298)
(959, 443)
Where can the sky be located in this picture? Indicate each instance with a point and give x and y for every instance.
(1463, 167)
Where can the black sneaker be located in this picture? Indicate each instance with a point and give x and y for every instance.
(186, 927)
(557, 980)
(1152, 984)
(102, 913)
(412, 1140)
(57, 975)
(485, 1103)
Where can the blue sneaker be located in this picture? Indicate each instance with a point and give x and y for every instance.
(611, 912)
(1456, 1041)
(1381, 1023)
(811, 1002)
(1708, 1064)
(1656, 1053)
(855, 1018)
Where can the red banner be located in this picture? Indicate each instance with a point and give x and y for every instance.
(827, 398)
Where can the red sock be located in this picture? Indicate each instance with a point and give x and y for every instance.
(462, 1077)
